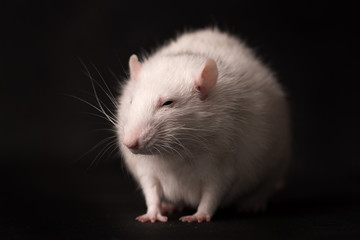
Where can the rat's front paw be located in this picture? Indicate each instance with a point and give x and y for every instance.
(152, 217)
(197, 217)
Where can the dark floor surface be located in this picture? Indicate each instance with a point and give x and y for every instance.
(102, 203)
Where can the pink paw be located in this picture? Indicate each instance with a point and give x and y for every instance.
(152, 217)
(197, 217)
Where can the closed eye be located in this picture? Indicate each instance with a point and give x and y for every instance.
(167, 103)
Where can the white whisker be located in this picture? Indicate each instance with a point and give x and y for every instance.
(178, 143)
(105, 129)
(102, 152)
(97, 115)
(114, 76)
(96, 95)
(103, 141)
(103, 104)
(108, 92)
(112, 120)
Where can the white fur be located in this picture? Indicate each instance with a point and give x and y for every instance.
(233, 145)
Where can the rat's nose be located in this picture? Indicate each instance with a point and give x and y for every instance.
(132, 144)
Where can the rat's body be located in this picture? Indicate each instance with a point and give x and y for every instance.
(203, 123)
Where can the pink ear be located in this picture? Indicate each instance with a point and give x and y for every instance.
(206, 78)
(134, 66)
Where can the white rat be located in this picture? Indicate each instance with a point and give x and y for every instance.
(203, 123)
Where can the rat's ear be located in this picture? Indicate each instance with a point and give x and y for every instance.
(206, 78)
(134, 66)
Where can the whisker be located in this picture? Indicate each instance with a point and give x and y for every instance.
(178, 143)
(96, 115)
(116, 147)
(168, 146)
(107, 139)
(108, 92)
(95, 93)
(125, 71)
(111, 112)
(163, 148)
(156, 149)
(108, 109)
(109, 145)
(112, 120)
(115, 76)
(105, 129)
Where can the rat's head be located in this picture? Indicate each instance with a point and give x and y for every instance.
(166, 111)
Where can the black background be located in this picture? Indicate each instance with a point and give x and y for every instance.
(51, 189)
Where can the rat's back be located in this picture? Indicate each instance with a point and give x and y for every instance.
(209, 42)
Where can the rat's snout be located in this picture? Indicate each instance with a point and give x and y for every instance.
(134, 139)
(132, 144)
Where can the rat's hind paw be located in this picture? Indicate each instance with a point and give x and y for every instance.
(197, 217)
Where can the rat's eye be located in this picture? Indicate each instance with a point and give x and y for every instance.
(167, 103)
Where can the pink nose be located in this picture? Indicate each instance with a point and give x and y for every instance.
(133, 144)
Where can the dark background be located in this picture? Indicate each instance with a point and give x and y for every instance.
(53, 187)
